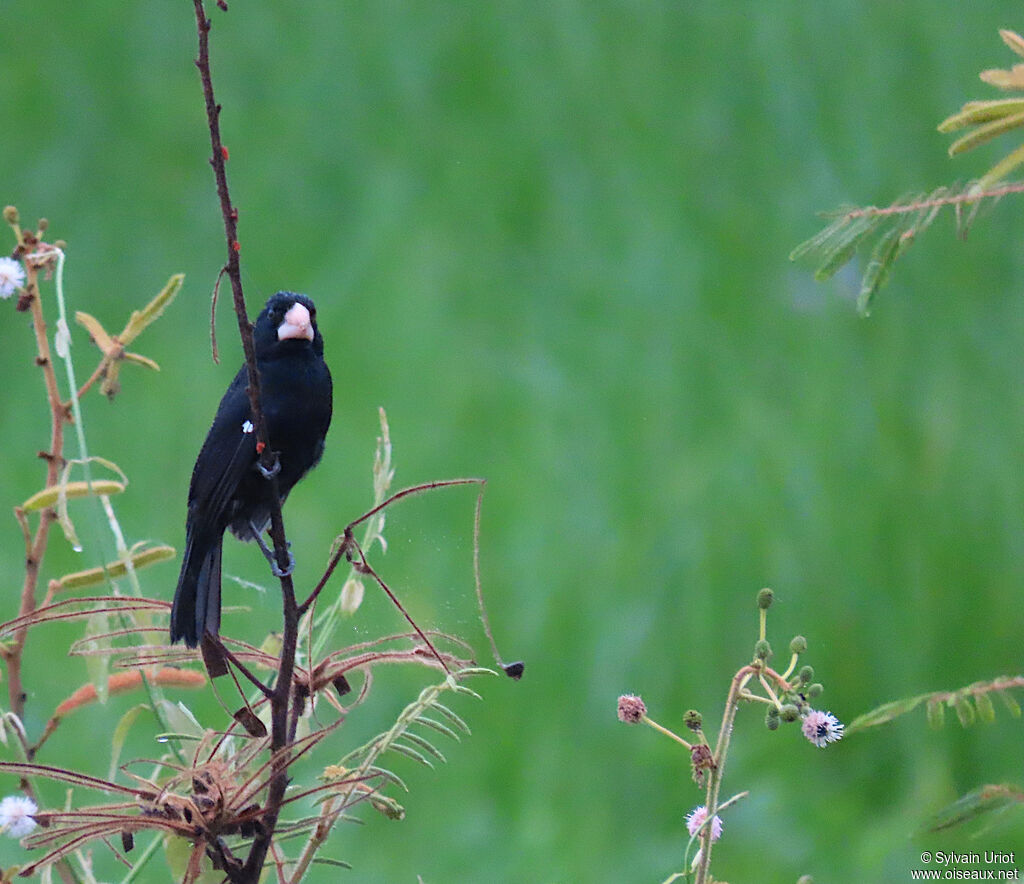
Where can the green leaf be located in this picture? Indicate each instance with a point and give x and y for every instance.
(839, 252)
(815, 243)
(96, 331)
(384, 773)
(964, 710)
(986, 800)
(1013, 40)
(327, 861)
(885, 713)
(986, 132)
(10, 723)
(883, 256)
(95, 576)
(180, 719)
(986, 711)
(1011, 80)
(144, 361)
(451, 716)
(1010, 702)
(438, 726)
(975, 112)
(387, 806)
(409, 752)
(425, 745)
(938, 700)
(936, 714)
(48, 496)
(1001, 169)
(98, 665)
(124, 725)
(462, 689)
(141, 318)
(177, 852)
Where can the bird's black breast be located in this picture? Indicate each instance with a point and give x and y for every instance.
(296, 397)
(227, 489)
(296, 394)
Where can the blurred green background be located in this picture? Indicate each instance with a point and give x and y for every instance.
(551, 240)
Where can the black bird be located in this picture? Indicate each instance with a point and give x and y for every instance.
(228, 490)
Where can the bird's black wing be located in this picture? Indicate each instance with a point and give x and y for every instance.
(226, 458)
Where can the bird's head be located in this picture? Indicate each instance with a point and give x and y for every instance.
(287, 322)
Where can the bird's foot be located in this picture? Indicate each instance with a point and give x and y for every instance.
(269, 555)
(275, 468)
(283, 572)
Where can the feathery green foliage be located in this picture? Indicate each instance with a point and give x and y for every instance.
(894, 227)
(960, 701)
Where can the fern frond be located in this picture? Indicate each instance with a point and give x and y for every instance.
(440, 727)
(409, 752)
(969, 703)
(981, 802)
(893, 229)
(425, 745)
(361, 764)
(454, 718)
(897, 225)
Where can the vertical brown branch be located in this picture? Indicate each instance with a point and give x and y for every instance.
(282, 694)
(54, 461)
(232, 266)
(36, 547)
(716, 772)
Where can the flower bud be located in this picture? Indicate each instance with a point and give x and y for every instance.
(701, 760)
(693, 720)
(789, 712)
(765, 598)
(798, 645)
(10, 214)
(631, 709)
(763, 650)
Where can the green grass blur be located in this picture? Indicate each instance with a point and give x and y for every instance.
(551, 240)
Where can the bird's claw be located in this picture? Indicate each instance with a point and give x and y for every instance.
(283, 572)
(268, 474)
(268, 553)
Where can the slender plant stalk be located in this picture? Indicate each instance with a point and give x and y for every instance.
(281, 697)
(739, 682)
(737, 689)
(36, 550)
(966, 198)
(54, 461)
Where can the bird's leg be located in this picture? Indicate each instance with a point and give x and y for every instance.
(275, 468)
(268, 553)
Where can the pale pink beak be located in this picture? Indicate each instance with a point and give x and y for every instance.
(296, 324)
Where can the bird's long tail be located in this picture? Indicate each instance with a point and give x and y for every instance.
(196, 606)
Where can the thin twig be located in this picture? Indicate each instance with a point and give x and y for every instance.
(95, 376)
(365, 568)
(716, 772)
(54, 461)
(968, 196)
(344, 549)
(414, 489)
(282, 694)
(248, 673)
